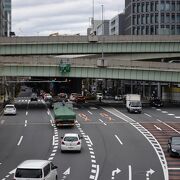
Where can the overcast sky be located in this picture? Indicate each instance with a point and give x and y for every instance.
(43, 17)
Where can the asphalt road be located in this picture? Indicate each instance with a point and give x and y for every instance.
(115, 143)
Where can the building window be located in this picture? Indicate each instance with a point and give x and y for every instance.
(138, 19)
(142, 7)
(167, 6)
(152, 18)
(147, 19)
(156, 30)
(152, 6)
(178, 6)
(147, 30)
(162, 18)
(173, 6)
(138, 8)
(178, 17)
(142, 19)
(147, 7)
(167, 18)
(152, 30)
(162, 6)
(178, 29)
(156, 6)
(134, 20)
(156, 18)
(173, 30)
(134, 8)
(173, 18)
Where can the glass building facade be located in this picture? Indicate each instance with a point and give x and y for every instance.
(152, 17)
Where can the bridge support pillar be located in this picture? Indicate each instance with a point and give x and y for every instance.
(159, 89)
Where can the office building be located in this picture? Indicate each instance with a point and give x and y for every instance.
(152, 17)
(7, 10)
(2, 18)
(116, 25)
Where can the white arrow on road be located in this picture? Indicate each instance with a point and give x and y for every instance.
(158, 128)
(67, 172)
(117, 171)
(150, 172)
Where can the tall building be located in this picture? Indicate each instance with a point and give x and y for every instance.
(2, 18)
(103, 28)
(5, 17)
(7, 9)
(116, 25)
(152, 17)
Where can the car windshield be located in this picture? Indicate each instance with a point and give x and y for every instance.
(176, 140)
(72, 138)
(28, 173)
(136, 104)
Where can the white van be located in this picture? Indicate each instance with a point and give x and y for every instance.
(36, 170)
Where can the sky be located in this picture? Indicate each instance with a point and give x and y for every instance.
(66, 17)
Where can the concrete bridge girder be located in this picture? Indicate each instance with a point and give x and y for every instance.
(92, 72)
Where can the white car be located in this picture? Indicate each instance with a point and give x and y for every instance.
(71, 142)
(99, 96)
(47, 97)
(72, 97)
(36, 169)
(9, 109)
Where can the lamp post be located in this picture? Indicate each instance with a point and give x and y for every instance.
(102, 25)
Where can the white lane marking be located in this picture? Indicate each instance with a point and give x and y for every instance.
(89, 140)
(118, 139)
(12, 172)
(173, 168)
(171, 114)
(26, 113)
(25, 123)
(92, 177)
(164, 112)
(158, 109)
(90, 112)
(152, 140)
(93, 171)
(102, 122)
(53, 142)
(177, 117)
(97, 172)
(2, 122)
(93, 108)
(169, 126)
(158, 128)
(20, 140)
(147, 115)
(130, 172)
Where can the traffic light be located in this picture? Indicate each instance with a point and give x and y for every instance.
(65, 68)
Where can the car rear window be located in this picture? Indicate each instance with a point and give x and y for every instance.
(28, 173)
(70, 139)
(10, 107)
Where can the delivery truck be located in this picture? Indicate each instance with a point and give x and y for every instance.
(133, 103)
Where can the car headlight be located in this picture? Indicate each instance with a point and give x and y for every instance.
(173, 150)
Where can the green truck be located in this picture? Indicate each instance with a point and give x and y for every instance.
(64, 115)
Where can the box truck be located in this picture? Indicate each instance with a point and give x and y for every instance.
(133, 103)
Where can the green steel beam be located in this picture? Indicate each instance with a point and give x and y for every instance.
(92, 72)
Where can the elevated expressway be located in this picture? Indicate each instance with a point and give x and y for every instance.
(90, 68)
(34, 56)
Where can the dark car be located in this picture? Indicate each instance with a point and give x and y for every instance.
(174, 146)
(156, 103)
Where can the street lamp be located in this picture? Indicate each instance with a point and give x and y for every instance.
(102, 25)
